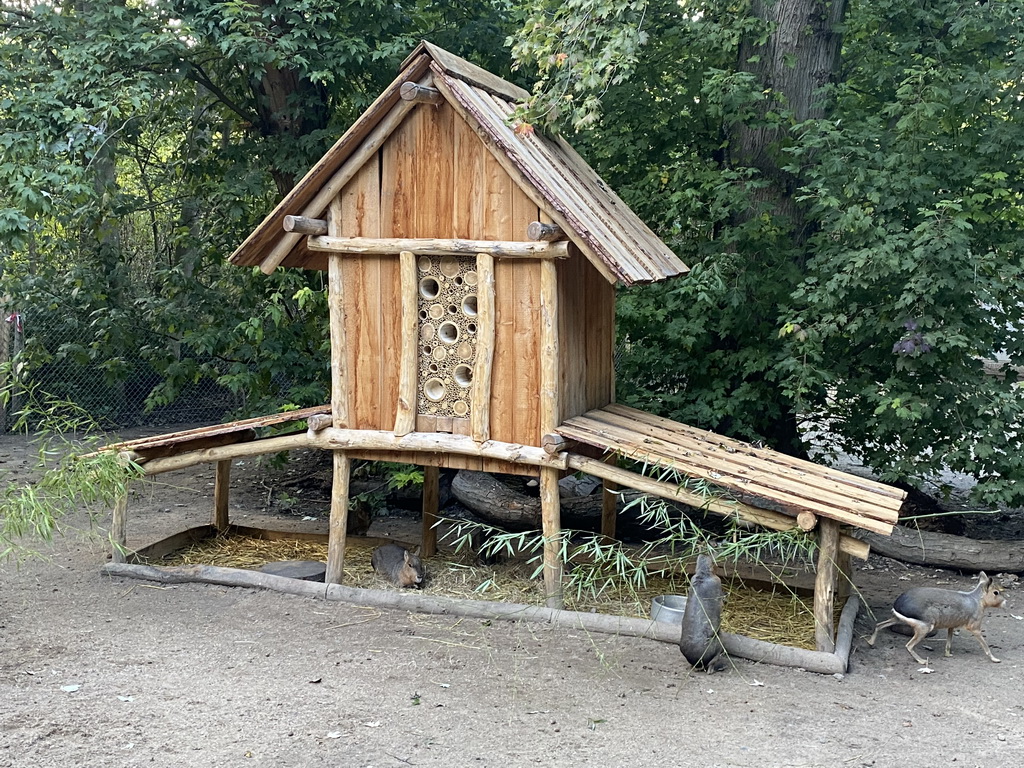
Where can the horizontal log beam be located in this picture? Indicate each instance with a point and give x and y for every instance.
(333, 439)
(305, 226)
(538, 230)
(775, 521)
(372, 246)
(420, 94)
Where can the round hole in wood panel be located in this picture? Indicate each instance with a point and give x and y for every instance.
(429, 288)
(448, 332)
(434, 389)
(436, 311)
(470, 278)
(463, 375)
(423, 314)
(471, 328)
(458, 280)
(469, 305)
(460, 408)
(452, 309)
(433, 368)
(450, 266)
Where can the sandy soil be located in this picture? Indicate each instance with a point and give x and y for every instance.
(97, 671)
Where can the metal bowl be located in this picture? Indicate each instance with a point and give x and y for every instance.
(668, 608)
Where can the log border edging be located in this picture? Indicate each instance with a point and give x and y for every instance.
(739, 646)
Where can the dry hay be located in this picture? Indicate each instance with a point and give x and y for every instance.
(776, 617)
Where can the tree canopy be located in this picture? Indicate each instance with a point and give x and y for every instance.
(844, 178)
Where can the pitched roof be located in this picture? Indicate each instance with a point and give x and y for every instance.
(549, 171)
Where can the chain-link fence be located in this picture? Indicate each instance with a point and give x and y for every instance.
(52, 361)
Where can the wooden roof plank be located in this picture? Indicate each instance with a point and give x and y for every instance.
(863, 483)
(839, 508)
(629, 448)
(734, 455)
(541, 154)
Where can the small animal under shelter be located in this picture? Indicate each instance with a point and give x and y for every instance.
(472, 276)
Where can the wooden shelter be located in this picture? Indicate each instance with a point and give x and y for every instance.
(472, 273)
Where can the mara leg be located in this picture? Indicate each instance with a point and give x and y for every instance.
(984, 645)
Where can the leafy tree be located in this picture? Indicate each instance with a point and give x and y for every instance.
(845, 180)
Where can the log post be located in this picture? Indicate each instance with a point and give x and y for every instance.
(550, 413)
(431, 505)
(551, 522)
(420, 94)
(538, 230)
(609, 508)
(119, 529)
(405, 416)
(825, 585)
(483, 366)
(806, 520)
(221, 494)
(339, 407)
(305, 226)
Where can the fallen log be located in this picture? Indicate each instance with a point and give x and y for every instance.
(941, 550)
(735, 645)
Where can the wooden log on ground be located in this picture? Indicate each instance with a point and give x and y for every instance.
(735, 645)
(944, 551)
(384, 246)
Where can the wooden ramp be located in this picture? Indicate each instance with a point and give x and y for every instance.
(757, 476)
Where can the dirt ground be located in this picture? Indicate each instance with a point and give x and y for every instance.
(96, 671)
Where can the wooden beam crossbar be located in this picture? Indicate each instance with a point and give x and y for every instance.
(384, 246)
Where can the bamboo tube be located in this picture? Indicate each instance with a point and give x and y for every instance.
(221, 494)
(405, 412)
(825, 586)
(425, 246)
(483, 366)
(431, 505)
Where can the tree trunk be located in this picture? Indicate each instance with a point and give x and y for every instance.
(792, 65)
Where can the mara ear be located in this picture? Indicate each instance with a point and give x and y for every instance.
(405, 555)
(416, 551)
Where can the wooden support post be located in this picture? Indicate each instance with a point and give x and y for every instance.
(550, 414)
(480, 389)
(339, 407)
(119, 529)
(844, 562)
(431, 505)
(551, 521)
(609, 508)
(825, 585)
(408, 375)
(221, 494)
(338, 528)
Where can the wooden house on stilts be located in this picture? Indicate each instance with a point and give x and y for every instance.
(472, 273)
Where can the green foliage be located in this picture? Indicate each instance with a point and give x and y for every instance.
(142, 142)
(863, 300)
(69, 480)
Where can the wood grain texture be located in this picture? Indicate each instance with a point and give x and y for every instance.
(405, 418)
(483, 365)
